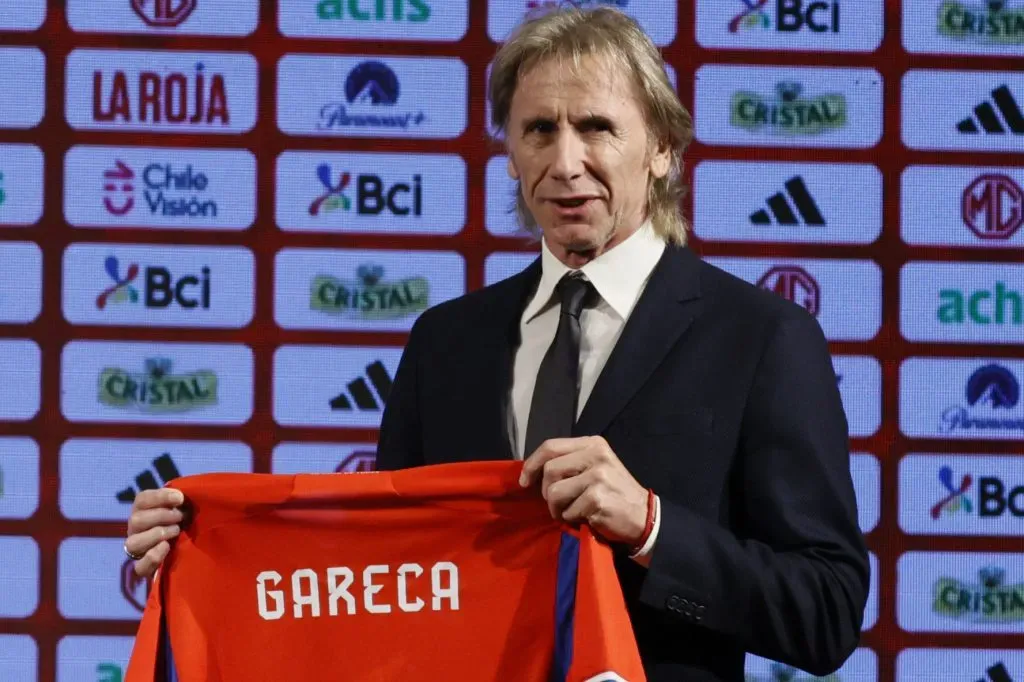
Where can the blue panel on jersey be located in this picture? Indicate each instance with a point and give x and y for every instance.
(171, 673)
(565, 605)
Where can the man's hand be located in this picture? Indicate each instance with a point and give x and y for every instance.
(153, 523)
(584, 481)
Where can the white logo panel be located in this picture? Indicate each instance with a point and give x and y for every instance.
(323, 458)
(420, 194)
(963, 110)
(861, 666)
(179, 17)
(357, 290)
(21, 184)
(867, 485)
(828, 289)
(19, 658)
(104, 659)
(99, 478)
(736, 201)
(19, 477)
(965, 27)
(985, 665)
(419, 20)
(793, 106)
(333, 386)
(98, 582)
(22, 71)
(21, 282)
(859, 378)
(159, 286)
(161, 188)
(656, 17)
(20, 364)
(791, 25)
(962, 398)
(979, 495)
(871, 608)
(960, 592)
(156, 383)
(499, 266)
(963, 206)
(19, 574)
(962, 302)
(163, 91)
(27, 15)
(378, 96)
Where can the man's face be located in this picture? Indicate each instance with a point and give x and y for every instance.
(579, 147)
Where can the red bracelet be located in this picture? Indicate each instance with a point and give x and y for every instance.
(649, 525)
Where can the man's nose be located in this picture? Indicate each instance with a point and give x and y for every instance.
(569, 152)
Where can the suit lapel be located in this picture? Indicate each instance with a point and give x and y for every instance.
(669, 304)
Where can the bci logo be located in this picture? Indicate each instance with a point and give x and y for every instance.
(159, 288)
(818, 16)
(370, 194)
(994, 496)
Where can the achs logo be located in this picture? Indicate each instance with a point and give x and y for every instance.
(993, 206)
(3, 196)
(987, 114)
(157, 389)
(360, 393)
(165, 469)
(1000, 305)
(163, 13)
(182, 99)
(787, 112)
(109, 672)
(990, 600)
(134, 588)
(795, 284)
(119, 197)
(372, 195)
(955, 498)
(790, 16)
(359, 462)
(991, 389)
(369, 297)
(418, 11)
(372, 91)
(989, 22)
(159, 287)
(781, 210)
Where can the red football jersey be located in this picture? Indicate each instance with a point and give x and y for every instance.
(449, 572)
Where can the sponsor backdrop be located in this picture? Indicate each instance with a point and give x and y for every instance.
(220, 218)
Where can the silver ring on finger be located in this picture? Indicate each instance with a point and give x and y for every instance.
(133, 557)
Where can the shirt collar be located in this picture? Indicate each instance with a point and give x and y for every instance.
(618, 274)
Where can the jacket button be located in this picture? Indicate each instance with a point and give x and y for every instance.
(672, 603)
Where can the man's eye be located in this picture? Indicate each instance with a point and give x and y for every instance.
(543, 127)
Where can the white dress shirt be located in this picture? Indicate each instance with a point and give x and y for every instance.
(619, 275)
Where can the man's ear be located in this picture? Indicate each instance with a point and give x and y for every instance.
(513, 172)
(661, 160)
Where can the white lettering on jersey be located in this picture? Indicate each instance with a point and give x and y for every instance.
(406, 580)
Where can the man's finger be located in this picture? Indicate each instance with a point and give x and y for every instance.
(150, 518)
(566, 466)
(159, 497)
(548, 450)
(141, 543)
(147, 565)
(560, 495)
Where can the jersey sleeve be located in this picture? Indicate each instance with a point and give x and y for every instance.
(604, 648)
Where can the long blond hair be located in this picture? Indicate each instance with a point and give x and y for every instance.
(568, 34)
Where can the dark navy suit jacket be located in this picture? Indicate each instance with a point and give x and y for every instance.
(722, 398)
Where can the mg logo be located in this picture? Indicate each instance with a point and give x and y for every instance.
(358, 462)
(993, 206)
(163, 13)
(794, 283)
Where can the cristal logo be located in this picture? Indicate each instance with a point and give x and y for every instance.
(371, 89)
(119, 190)
(372, 195)
(157, 389)
(993, 206)
(134, 588)
(182, 99)
(164, 13)
(370, 297)
(984, 22)
(359, 462)
(795, 284)
(955, 498)
(788, 113)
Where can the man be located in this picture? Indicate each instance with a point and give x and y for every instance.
(691, 419)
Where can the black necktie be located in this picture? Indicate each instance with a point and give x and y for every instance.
(553, 409)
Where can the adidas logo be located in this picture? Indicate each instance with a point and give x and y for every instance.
(997, 673)
(360, 393)
(165, 469)
(780, 209)
(987, 116)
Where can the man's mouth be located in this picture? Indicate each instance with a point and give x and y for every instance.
(575, 202)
